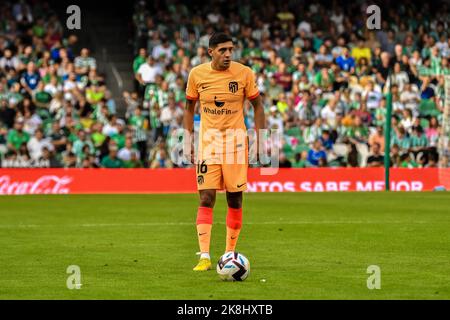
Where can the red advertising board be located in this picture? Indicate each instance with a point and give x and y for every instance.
(85, 181)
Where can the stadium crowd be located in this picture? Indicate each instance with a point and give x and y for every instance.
(323, 75)
(324, 78)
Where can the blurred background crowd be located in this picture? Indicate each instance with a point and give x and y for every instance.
(324, 78)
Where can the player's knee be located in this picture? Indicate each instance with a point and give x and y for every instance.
(234, 200)
(207, 199)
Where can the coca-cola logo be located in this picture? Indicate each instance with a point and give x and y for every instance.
(49, 184)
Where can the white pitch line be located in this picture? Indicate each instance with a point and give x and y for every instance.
(152, 224)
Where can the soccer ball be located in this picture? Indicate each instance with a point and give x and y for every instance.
(233, 266)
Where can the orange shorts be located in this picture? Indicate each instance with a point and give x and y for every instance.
(222, 175)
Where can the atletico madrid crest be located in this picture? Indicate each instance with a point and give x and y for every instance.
(233, 86)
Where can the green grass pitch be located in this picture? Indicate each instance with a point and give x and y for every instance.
(300, 246)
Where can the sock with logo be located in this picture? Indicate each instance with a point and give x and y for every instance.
(234, 224)
(204, 226)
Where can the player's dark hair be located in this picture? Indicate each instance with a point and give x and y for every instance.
(218, 37)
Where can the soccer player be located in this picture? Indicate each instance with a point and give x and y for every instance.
(221, 86)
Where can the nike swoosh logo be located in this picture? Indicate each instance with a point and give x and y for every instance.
(240, 185)
(233, 238)
(200, 234)
(203, 87)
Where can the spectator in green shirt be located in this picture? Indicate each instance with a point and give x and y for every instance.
(251, 51)
(119, 136)
(402, 140)
(282, 104)
(302, 71)
(111, 160)
(274, 89)
(407, 162)
(94, 94)
(444, 68)
(324, 79)
(96, 134)
(419, 141)
(140, 59)
(42, 98)
(39, 28)
(425, 72)
(300, 160)
(79, 144)
(16, 137)
(134, 161)
(138, 121)
(84, 62)
(435, 58)
(358, 133)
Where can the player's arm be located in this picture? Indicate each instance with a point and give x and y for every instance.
(252, 94)
(188, 116)
(260, 119)
(188, 124)
(192, 96)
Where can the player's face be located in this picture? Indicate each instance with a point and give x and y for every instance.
(221, 54)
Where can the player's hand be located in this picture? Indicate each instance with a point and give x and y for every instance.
(189, 153)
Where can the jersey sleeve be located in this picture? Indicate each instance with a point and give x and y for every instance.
(191, 88)
(251, 89)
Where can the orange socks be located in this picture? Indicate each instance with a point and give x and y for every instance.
(204, 226)
(234, 224)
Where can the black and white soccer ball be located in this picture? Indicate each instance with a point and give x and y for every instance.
(233, 266)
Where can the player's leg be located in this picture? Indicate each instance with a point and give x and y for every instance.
(235, 180)
(209, 178)
(234, 219)
(205, 220)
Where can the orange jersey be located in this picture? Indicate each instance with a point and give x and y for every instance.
(221, 95)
